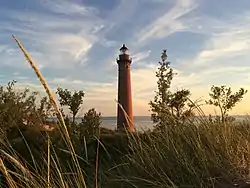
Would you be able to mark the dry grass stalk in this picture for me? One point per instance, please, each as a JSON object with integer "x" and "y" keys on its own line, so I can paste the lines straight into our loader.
{"x": 56, "y": 107}
{"x": 16, "y": 163}
{"x": 97, "y": 158}
{"x": 48, "y": 174}
{"x": 128, "y": 120}
{"x": 4, "y": 171}
{"x": 43, "y": 81}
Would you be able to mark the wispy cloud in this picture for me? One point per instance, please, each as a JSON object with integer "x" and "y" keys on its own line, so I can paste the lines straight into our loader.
{"x": 76, "y": 44}
{"x": 169, "y": 23}
{"x": 55, "y": 41}
{"x": 140, "y": 56}
{"x": 228, "y": 39}
{"x": 68, "y": 7}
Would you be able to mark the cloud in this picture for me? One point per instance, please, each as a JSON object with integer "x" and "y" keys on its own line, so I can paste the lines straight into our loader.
{"x": 3, "y": 48}
{"x": 108, "y": 43}
{"x": 102, "y": 96}
{"x": 223, "y": 57}
{"x": 12, "y": 57}
{"x": 68, "y": 7}
{"x": 76, "y": 46}
{"x": 53, "y": 41}
{"x": 222, "y": 60}
{"x": 140, "y": 56}
{"x": 117, "y": 16}
{"x": 227, "y": 39}
{"x": 169, "y": 23}
{"x": 59, "y": 42}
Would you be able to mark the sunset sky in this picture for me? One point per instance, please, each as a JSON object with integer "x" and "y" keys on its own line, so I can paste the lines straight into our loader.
{"x": 76, "y": 42}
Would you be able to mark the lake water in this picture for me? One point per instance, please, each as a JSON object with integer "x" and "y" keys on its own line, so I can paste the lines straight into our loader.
{"x": 142, "y": 122}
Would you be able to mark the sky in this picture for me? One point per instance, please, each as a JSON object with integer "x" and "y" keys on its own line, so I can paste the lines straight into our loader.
{"x": 75, "y": 44}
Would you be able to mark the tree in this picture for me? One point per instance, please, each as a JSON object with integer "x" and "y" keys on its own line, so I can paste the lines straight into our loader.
{"x": 225, "y": 99}
{"x": 179, "y": 103}
{"x": 45, "y": 108}
{"x": 73, "y": 101}
{"x": 18, "y": 109}
{"x": 90, "y": 123}
{"x": 166, "y": 104}
{"x": 159, "y": 106}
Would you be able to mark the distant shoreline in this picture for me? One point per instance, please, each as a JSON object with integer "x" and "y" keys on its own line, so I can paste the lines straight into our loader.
{"x": 112, "y": 117}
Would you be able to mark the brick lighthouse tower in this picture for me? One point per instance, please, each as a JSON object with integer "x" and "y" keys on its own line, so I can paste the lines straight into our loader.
{"x": 124, "y": 108}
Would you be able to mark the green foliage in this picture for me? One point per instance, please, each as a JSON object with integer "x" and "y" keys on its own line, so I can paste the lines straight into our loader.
{"x": 159, "y": 107}
{"x": 19, "y": 109}
{"x": 225, "y": 99}
{"x": 166, "y": 105}
{"x": 90, "y": 123}
{"x": 179, "y": 101}
{"x": 73, "y": 101}
{"x": 45, "y": 109}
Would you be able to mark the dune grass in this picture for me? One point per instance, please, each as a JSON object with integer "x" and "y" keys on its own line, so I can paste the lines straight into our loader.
{"x": 191, "y": 156}
{"x": 194, "y": 154}
{"x": 208, "y": 155}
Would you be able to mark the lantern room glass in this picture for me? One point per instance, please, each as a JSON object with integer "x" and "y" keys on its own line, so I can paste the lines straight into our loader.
{"x": 124, "y": 50}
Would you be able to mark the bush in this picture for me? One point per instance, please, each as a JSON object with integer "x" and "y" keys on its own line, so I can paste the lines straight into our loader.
{"x": 19, "y": 110}
{"x": 90, "y": 124}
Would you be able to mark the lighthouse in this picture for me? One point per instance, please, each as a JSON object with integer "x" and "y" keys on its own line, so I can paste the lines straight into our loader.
{"x": 124, "y": 107}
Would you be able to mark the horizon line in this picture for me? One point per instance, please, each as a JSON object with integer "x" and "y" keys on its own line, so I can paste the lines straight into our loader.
{"x": 150, "y": 116}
